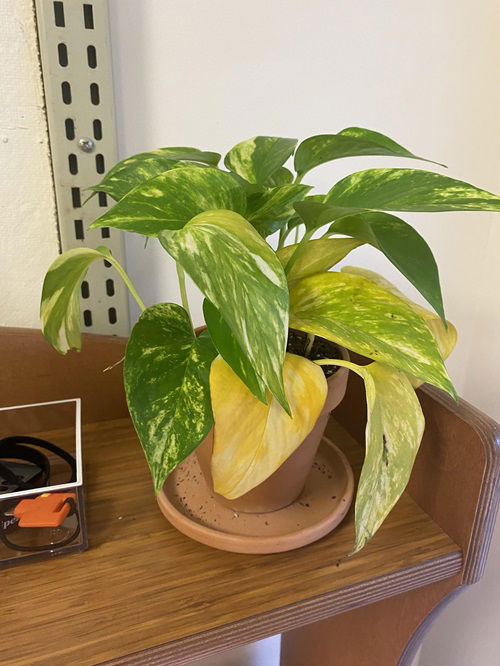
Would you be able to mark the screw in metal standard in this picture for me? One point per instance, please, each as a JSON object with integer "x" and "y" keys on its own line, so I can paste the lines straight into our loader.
{"x": 86, "y": 144}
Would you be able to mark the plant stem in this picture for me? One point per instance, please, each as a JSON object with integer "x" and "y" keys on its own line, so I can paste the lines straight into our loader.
{"x": 310, "y": 341}
{"x": 297, "y": 228}
{"x": 298, "y": 251}
{"x": 282, "y": 237}
{"x": 358, "y": 369}
{"x": 182, "y": 288}
{"x": 127, "y": 281}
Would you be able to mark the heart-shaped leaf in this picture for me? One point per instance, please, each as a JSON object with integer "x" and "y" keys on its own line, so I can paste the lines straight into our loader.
{"x": 350, "y": 142}
{"x": 171, "y": 199}
{"x": 258, "y": 158}
{"x": 445, "y": 336}
{"x": 167, "y": 386}
{"x": 269, "y": 210}
{"x": 402, "y": 245}
{"x": 229, "y": 348}
{"x": 360, "y": 315}
{"x": 251, "y": 439}
{"x": 394, "y": 431}
{"x": 318, "y": 255}
{"x": 242, "y": 276}
{"x": 409, "y": 189}
{"x": 59, "y": 307}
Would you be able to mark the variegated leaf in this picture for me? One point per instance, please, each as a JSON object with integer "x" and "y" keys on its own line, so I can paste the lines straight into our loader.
{"x": 297, "y": 219}
{"x": 120, "y": 181}
{"x": 409, "y": 189}
{"x": 258, "y": 158}
{"x": 318, "y": 255}
{"x": 402, "y": 245}
{"x": 136, "y": 169}
{"x": 248, "y": 188}
{"x": 270, "y": 210}
{"x": 350, "y": 142}
{"x": 229, "y": 348}
{"x": 241, "y": 275}
{"x": 172, "y": 199}
{"x": 281, "y": 176}
{"x": 360, "y": 315}
{"x": 251, "y": 439}
{"x": 314, "y": 213}
{"x": 60, "y": 307}
{"x": 446, "y": 337}
{"x": 394, "y": 431}
{"x": 167, "y": 386}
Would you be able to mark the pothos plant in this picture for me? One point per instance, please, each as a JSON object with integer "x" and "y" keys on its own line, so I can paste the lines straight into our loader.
{"x": 215, "y": 222}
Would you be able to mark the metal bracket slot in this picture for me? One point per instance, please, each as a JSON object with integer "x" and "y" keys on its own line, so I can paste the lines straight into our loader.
{"x": 77, "y": 77}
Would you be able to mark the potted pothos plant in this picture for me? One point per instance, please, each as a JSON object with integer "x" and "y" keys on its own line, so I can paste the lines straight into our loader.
{"x": 260, "y": 247}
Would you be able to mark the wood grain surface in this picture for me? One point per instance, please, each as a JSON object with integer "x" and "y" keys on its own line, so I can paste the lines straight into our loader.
{"x": 144, "y": 586}
{"x": 145, "y": 594}
{"x": 456, "y": 481}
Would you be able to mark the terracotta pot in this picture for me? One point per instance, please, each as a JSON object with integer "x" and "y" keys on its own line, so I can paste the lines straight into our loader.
{"x": 285, "y": 485}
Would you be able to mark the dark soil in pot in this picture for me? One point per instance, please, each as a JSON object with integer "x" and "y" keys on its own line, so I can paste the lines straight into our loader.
{"x": 321, "y": 348}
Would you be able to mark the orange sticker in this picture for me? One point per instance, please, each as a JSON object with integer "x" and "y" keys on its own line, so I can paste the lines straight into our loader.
{"x": 46, "y": 510}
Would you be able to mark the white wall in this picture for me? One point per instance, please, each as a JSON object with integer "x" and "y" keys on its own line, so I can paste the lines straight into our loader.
{"x": 28, "y": 229}
{"x": 209, "y": 74}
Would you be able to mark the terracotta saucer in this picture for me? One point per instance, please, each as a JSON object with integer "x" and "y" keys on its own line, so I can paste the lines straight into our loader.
{"x": 189, "y": 505}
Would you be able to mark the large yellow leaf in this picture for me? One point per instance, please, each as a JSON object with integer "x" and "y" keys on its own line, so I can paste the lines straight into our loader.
{"x": 446, "y": 338}
{"x": 251, "y": 439}
{"x": 366, "y": 318}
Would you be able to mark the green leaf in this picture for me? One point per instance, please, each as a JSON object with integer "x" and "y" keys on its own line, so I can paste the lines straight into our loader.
{"x": 59, "y": 307}
{"x": 139, "y": 168}
{"x": 318, "y": 255}
{"x": 402, "y": 245}
{"x": 297, "y": 219}
{"x": 172, "y": 199}
{"x": 269, "y": 210}
{"x": 258, "y": 158}
{"x": 281, "y": 176}
{"x": 350, "y": 142}
{"x": 248, "y": 188}
{"x": 167, "y": 386}
{"x": 242, "y": 276}
{"x": 314, "y": 213}
{"x": 360, "y": 315}
{"x": 409, "y": 189}
{"x": 231, "y": 351}
{"x": 394, "y": 431}
{"x": 445, "y": 335}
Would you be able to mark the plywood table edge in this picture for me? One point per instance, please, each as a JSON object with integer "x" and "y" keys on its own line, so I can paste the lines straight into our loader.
{"x": 410, "y": 651}
{"x": 489, "y": 496}
{"x": 292, "y": 616}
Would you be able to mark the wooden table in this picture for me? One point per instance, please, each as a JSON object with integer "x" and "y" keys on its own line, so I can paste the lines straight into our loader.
{"x": 145, "y": 594}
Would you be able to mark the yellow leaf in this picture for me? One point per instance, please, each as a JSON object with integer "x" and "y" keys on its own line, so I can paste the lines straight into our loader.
{"x": 318, "y": 255}
{"x": 251, "y": 439}
{"x": 446, "y": 338}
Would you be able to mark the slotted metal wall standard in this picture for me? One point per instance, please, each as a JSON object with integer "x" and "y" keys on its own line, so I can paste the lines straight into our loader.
{"x": 76, "y": 66}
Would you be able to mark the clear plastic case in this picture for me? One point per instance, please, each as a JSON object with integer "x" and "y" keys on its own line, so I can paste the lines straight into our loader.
{"x": 48, "y": 520}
